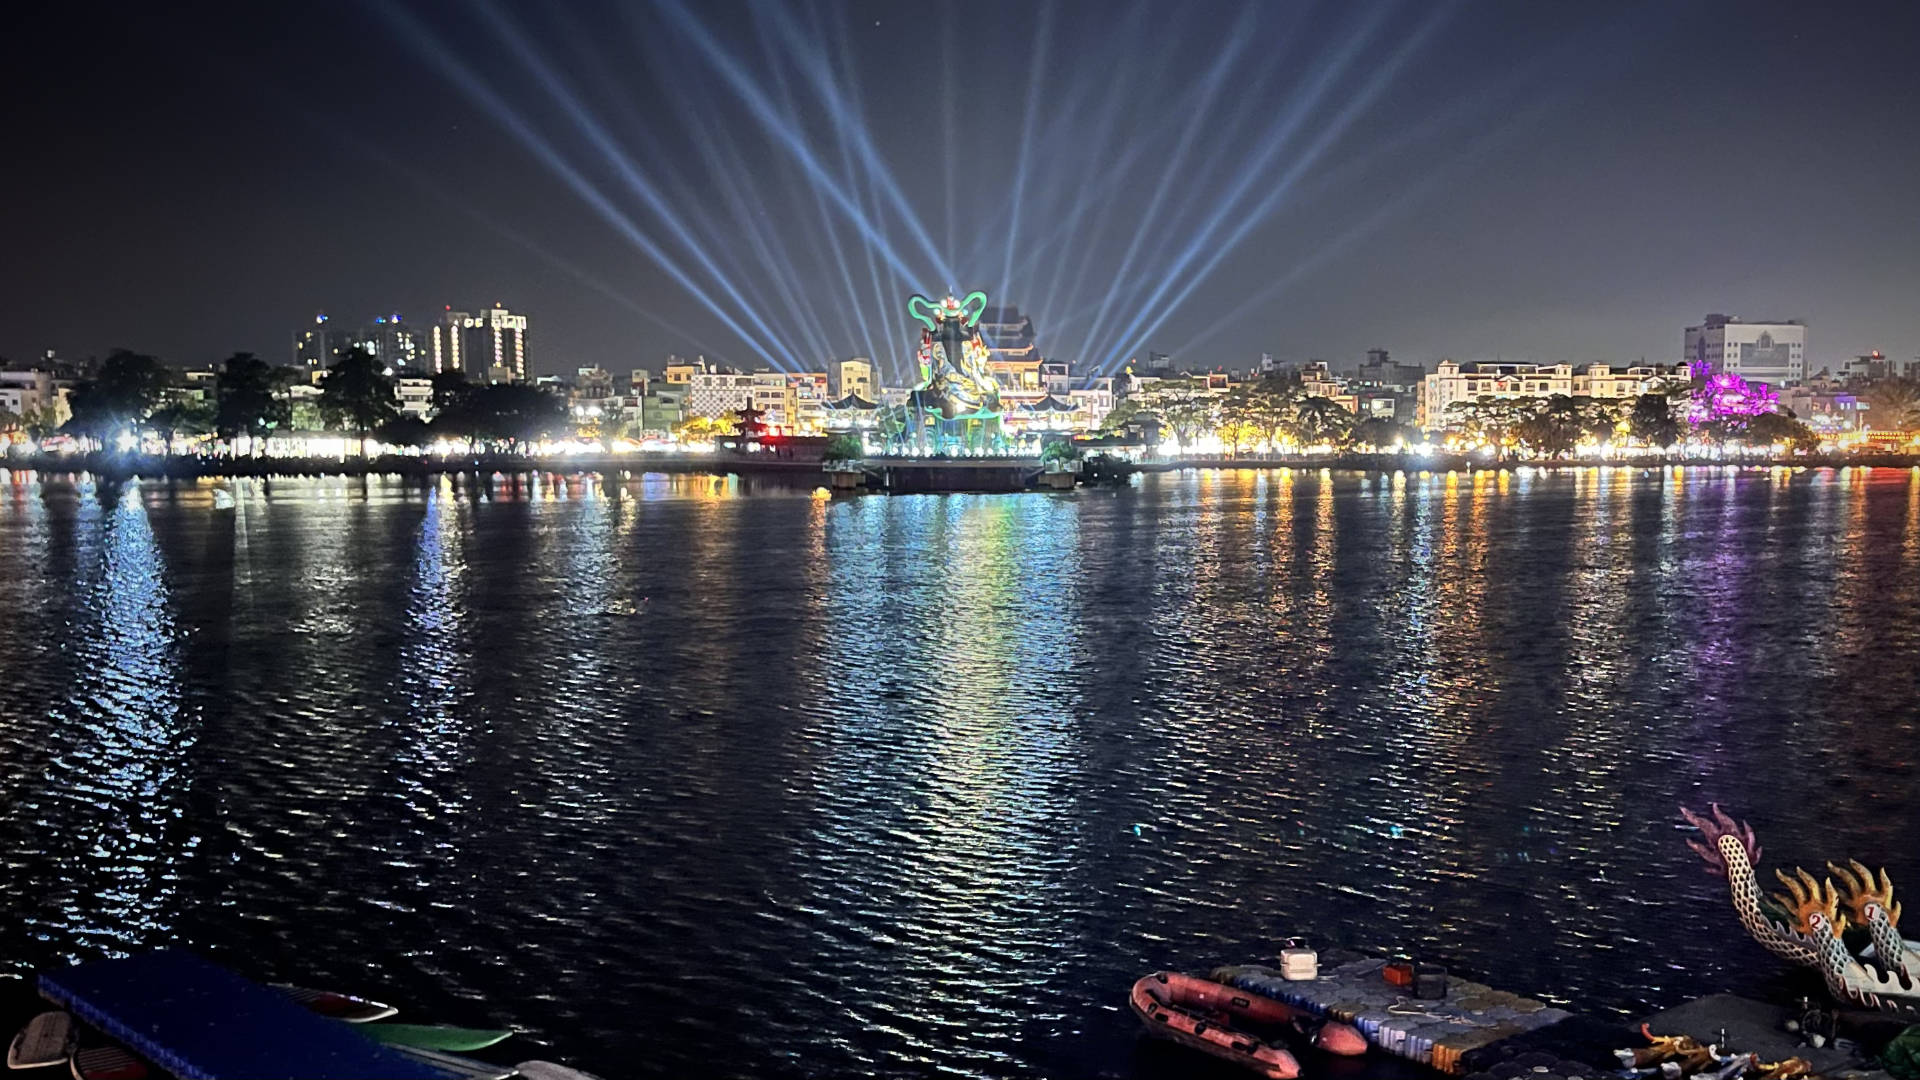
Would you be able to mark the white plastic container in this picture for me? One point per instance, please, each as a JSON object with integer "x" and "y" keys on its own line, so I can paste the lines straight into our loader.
{"x": 1299, "y": 965}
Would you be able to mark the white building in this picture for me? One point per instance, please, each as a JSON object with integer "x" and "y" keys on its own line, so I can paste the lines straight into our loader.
{"x": 1768, "y": 352}
{"x": 415, "y": 394}
{"x": 1453, "y": 382}
{"x": 26, "y": 392}
{"x": 856, "y": 378}
{"x": 1093, "y": 401}
{"x": 714, "y": 394}
{"x": 492, "y": 344}
{"x": 810, "y": 396}
{"x": 774, "y": 396}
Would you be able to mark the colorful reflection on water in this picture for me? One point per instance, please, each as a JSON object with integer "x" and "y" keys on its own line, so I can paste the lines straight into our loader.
{"x": 692, "y": 775}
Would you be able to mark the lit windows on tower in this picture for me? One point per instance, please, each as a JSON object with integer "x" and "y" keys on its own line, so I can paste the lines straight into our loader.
{"x": 496, "y": 335}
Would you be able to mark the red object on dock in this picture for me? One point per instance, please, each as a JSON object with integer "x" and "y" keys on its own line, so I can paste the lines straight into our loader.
{"x": 1201, "y": 1014}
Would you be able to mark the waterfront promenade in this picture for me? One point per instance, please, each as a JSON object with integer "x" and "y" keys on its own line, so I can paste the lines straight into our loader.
{"x": 148, "y": 466}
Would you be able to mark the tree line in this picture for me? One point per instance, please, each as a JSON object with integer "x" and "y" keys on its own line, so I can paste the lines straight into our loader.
{"x": 1274, "y": 410}
{"x": 135, "y": 393}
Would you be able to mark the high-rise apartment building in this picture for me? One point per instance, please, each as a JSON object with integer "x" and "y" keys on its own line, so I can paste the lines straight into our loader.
{"x": 320, "y": 344}
{"x": 489, "y": 345}
{"x": 386, "y": 338}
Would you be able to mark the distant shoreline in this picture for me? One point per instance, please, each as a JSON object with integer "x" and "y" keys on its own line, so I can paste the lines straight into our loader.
{"x": 125, "y": 467}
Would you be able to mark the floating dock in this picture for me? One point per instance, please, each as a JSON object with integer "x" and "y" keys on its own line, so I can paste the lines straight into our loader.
{"x": 200, "y": 1021}
{"x": 1438, "y": 1033}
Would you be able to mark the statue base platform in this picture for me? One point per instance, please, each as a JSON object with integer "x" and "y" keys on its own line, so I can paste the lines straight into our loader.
{"x": 922, "y": 476}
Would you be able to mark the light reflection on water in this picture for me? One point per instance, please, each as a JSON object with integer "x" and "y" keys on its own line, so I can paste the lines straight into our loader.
{"x": 687, "y": 774}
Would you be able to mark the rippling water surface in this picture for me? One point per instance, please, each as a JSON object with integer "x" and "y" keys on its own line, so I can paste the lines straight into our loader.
{"x": 705, "y": 779}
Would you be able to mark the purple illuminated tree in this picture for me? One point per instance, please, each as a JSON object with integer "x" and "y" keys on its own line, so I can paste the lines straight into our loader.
{"x": 1727, "y": 400}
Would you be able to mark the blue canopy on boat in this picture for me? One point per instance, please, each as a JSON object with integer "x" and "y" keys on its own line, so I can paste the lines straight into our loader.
{"x": 197, "y": 1019}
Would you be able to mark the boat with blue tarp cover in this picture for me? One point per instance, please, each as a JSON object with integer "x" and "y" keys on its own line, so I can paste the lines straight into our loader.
{"x": 200, "y": 1021}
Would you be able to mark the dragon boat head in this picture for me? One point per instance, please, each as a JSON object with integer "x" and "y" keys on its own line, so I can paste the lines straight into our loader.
{"x": 1715, "y": 829}
{"x": 1814, "y": 905}
{"x": 1863, "y": 895}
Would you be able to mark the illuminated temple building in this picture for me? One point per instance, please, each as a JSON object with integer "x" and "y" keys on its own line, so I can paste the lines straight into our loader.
{"x": 1012, "y": 354}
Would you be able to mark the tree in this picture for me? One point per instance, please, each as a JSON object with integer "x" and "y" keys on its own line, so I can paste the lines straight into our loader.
{"x": 1380, "y": 433}
{"x": 1187, "y": 416}
{"x": 1060, "y": 452}
{"x": 1547, "y": 434}
{"x": 511, "y": 413}
{"x": 1894, "y": 404}
{"x": 404, "y": 431}
{"x": 181, "y": 416}
{"x": 1652, "y": 421}
{"x": 704, "y": 428}
{"x": 609, "y": 427}
{"x": 38, "y": 423}
{"x": 120, "y": 396}
{"x": 1122, "y": 413}
{"x": 1780, "y": 428}
{"x": 1321, "y": 420}
{"x": 357, "y": 395}
{"x": 1239, "y": 418}
{"x": 1491, "y": 421}
{"x": 1275, "y": 399}
{"x": 450, "y": 387}
{"x": 843, "y": 447}
{"x": 251, "y": 399}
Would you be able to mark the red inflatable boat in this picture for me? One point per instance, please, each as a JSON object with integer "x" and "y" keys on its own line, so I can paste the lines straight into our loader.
{"x": 1210, "y": 1017}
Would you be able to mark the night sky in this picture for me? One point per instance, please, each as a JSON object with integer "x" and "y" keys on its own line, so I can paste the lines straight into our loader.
{"x": 1555, "y": 182}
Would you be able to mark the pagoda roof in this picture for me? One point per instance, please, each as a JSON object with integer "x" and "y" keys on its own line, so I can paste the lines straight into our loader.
{"x": 851, "y": 401}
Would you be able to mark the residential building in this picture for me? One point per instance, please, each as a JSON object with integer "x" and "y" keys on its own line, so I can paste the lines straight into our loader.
{"x": 1092, "y": 402}
{"x": 1453, "y": 382}
{"x": 662, "y": 409}
{"x": 1826, "y": 407}
{"x": 393, "y": 343}
{"x": 319, "y": 345}
{"x": 679, "y": 372}
{"x": 1770, "y": 352}
{"x": 1318, "y": 380}
{"x": 714, "y": 394}
{"x": 592, "y": 383}
{"x": 491, "y": 344}
{"x": 856, "y": 379}
{"x": 1056, "y": 377}
{"x": 774, "y": 397}
{"x": 30, "y": 392}
{"x": 1875, "y": 366}
{"x": 1381, "y": 370}
{"x": 812, "y": 390}
{"x": 386, "y": 338}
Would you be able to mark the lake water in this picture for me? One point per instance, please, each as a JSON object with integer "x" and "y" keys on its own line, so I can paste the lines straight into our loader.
{"x": 716, "y": 779}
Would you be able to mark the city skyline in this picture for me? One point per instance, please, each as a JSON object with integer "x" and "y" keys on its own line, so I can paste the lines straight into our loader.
{"x": 1644, "y": 190}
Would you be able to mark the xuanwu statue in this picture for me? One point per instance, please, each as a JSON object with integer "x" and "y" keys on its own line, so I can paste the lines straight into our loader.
{"x": 955, "y": 408}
